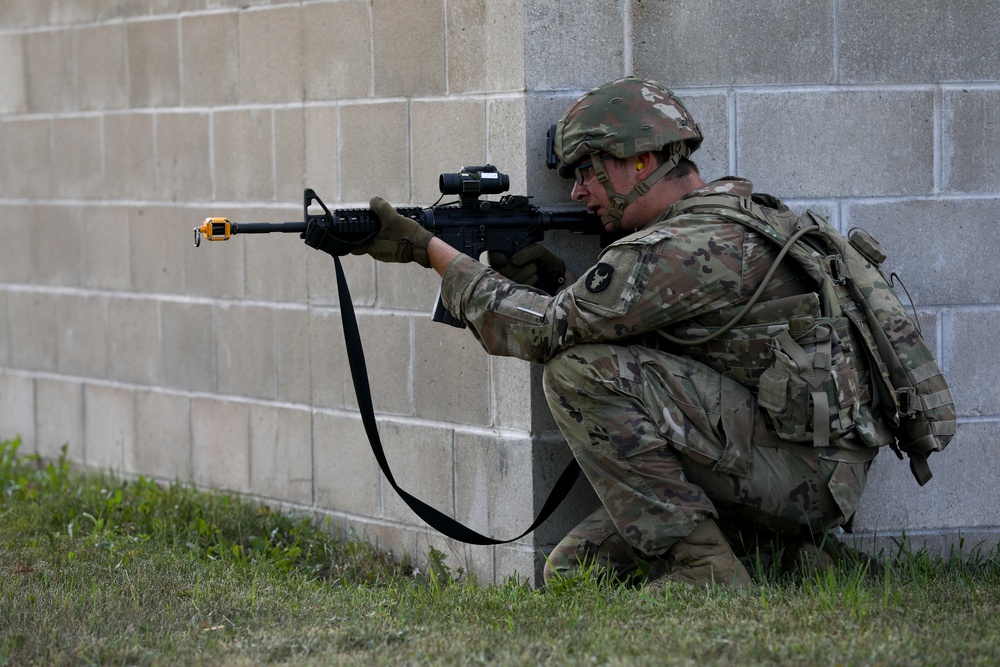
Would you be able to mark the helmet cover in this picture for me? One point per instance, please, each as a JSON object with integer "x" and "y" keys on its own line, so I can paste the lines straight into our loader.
{"x": 624, "y": 118}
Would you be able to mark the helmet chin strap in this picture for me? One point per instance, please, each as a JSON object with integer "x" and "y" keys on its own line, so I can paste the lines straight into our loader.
{"x": 619, "y": 201}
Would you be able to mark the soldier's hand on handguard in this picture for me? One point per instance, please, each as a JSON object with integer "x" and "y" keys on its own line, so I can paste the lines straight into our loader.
{"x": 534, "y": 266}
{"x": 399, "y": 240}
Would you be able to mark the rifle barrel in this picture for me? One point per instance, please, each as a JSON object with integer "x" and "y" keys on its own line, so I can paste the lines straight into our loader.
{"x": 268, "y": 227}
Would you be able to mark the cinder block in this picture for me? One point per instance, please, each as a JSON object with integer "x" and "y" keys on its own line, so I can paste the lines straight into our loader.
{"x": 420, "y": 459}
{"x": 346, "y": 475}
{"x": 158, "y": 252}
{"x": 154, "y": 63}
{"x": 212, "y": 4}
{"x": 291, "y": 327}
{"x": 163, "y": 436}
{"x": 72, "y": 13}
{"x": 22, "y": 13}
{"x": 447, "y": 136}
{"x": 686, "y": 44}
{"x": 485, "y": 46}
{"x": 375, "y": 148}
{"x": 543, "y": 110}
{"x": 321, "y": 146}
{"x": 18, "y": 228}
{"x": 175, "y": 6}
{"x": 187, "y": 340}
{"x": 281, "y": 453}
{"x": 506, "y": 139}
{"x": 211, "y": 63}
{"x": 515, "y": 562}
{"x": 59, "y": 419}
{"x": 888, "y": 42}
{"x": 711, "y": 112}
{"x": 793, "y": 145}
{"x": 386, "y": 339}
{"x": 134, "y": 341}
{"x": 936, "y": 246}
{"x": 928, "y": 322}
{"x": 275, "y": 263}
{"x": 4, "y": 335}
{"x": 220, "y": 450}
{"x": 289, "y": 155}
{"x": 109, "y": 428}
{"x": 550, "y": 458}
{"x": 409, "y": 48}
{"x": 961, "y": 493}
{"x": 243, "y": 155}
{"x": 32, "y": 329}
{"x": 451, "y": 378}
{"x": 104, "y": 247}
{"x": 358, "y": 271}
{"x": 216, "y": 268}
{"x": 516, "y": 390}
{"x": 407, "y": 287}
{"x": 13, "y": 86}
{"x": 972, "y": 371}
{"x": 245, "y": 351}
{"x": 971, "y": 151}
{"x": 333, "y": 67}
{"x": 17, "y": 410}
{"x": 493, "y": 481}
{"x": 76, "y": 173}
{"x": 271, "y": 55}
{"x": 183, "y": 156}
{"x": 327, "y": 359}
{"x": 597, "y": 47}
{"x": 399, "y": 542}
{"x": 130, "y": 165}
{"x": 28, "y": 158}
{"x": 82, "y": 335}
{"x": 100, "y": 67}
{"x": 456, "y": 556}
{"x": 48, "y": 61}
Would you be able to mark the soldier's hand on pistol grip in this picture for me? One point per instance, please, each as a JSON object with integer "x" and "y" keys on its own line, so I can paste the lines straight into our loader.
{"x": 534, "y": 266}
{"x": 400, "y": 239}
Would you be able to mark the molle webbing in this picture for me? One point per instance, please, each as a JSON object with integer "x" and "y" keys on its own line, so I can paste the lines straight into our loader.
{"x": 907, "y": 386}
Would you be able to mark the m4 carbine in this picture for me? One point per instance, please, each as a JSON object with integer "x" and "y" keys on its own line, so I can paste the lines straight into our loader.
{"x": 470, "y": 225}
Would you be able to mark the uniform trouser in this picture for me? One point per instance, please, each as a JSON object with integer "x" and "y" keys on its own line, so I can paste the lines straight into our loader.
{"x": 667, "y": 442}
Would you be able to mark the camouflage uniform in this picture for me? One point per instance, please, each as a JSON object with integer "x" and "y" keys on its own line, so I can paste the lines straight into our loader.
{"x": 664, "y": 434}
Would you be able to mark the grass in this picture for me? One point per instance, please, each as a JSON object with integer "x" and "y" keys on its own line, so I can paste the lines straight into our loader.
{"x": 96, "y": 570}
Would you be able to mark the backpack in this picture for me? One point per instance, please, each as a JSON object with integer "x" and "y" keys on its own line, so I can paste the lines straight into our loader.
{"x": 807, "y": 386}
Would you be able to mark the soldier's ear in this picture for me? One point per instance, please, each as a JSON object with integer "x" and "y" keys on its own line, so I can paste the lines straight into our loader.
{"x": 645, "y": 164}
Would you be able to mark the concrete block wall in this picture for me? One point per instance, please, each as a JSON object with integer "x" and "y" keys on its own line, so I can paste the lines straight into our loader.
{"x": 123, "y": 124}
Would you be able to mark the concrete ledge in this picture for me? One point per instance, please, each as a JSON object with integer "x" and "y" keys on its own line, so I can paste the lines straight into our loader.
{"x": 971, "y": 543}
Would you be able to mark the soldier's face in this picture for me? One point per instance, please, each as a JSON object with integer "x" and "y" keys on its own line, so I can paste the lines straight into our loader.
{"x": 588, "y": 190}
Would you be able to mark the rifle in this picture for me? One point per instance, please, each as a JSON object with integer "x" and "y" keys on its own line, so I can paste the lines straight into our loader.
{"x": 470, "y": 225}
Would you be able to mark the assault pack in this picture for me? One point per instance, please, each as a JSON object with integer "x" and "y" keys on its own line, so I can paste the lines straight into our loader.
{"x": 805, "y": 369}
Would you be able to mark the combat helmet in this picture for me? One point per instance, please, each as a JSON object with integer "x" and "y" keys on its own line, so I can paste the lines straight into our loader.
{"x": 624, "y": 118}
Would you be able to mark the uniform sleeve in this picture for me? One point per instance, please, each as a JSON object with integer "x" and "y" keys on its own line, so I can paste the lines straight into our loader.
{"x": 647, "y": 281}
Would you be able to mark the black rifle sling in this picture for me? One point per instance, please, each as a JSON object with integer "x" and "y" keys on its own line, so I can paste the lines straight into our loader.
{"x": 434, "y": 518}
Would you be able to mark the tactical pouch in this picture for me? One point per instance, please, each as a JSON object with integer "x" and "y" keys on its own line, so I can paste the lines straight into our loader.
{"x": 810, "y": 391}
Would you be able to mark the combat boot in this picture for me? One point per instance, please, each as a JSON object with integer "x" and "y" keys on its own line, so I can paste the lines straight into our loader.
{"x": 705, "y": 557}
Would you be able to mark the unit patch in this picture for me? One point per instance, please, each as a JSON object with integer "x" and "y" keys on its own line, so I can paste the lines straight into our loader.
{"x": 599, "y": 278}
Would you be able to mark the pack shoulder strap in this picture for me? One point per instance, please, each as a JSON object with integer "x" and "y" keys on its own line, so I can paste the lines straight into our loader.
{"x": 362, "y": 389}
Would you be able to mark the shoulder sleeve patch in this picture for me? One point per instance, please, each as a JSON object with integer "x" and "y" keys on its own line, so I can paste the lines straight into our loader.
{"x": 599, "y": 278}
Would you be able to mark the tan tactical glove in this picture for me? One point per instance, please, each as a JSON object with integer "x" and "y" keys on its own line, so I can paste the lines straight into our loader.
{"x": 399, "y": 240}
{"x": 534, "y": 266}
